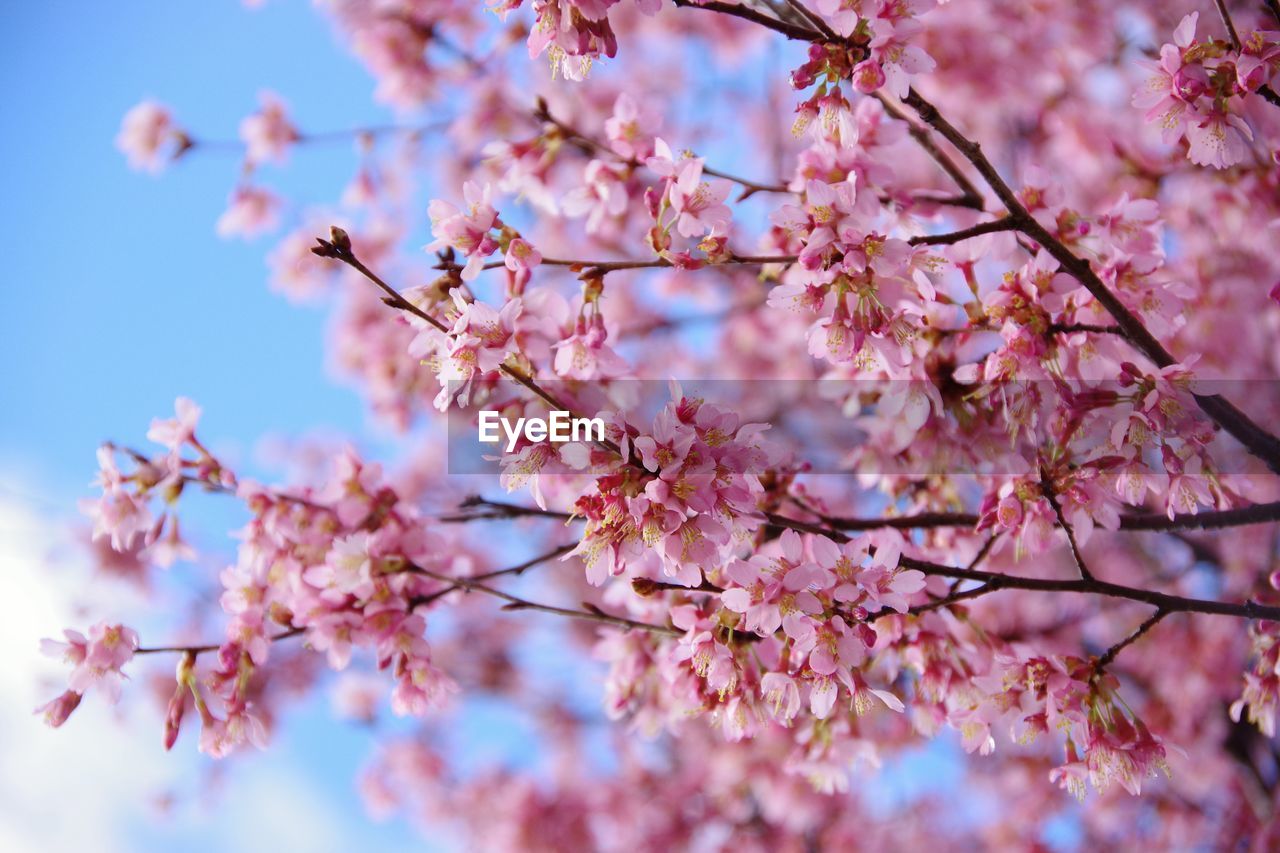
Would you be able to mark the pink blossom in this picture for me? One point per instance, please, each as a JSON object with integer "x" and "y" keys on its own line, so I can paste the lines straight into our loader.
{"x": 586, "y": 354}
{"x": 268, "y": 133}
{"x": 468, "y": 231}
{"x": 1218, "y": 139}
{"x": 251, "y": 211}
{"x": 175, "y": 433}
{"x": 148, "y": 137}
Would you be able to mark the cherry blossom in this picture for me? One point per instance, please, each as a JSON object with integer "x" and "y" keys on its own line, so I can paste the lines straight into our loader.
{"x": 933, "y": 344}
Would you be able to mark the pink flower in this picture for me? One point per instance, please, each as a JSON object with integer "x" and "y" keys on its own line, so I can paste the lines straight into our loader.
{"x": 1259, "y": 56}
{"x": 219, "y": 738}
{"x": 148, "y": 137}
{"x": 170, "y": 548}
{"x": 1218, "y": 139}
{"x": 250, "y": 211}
{"x": 347, "y": 569}
{"x": 58, "y": 710}
{"x": 334, "y": 634}
{"x": 585, "y": 354}
{"x": 572, "y": 33}
{"x": 174, "y": 433}
{"x": 843, "y": 15}
{"x": 420, "y": 688}
{"x": 631, "y": 128}
{"x": 603, "y": 197}
{"x": 521, "y": 258}
{"x": 699, "y": 205}
{"x": 268, "y": 133}
{"x": 468, "y": 231}
{"x": 782, "y": 695}
{"x": 96, "y": 661}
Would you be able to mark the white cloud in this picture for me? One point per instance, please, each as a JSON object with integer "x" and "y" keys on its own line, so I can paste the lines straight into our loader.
{"x": 93, "y": 784}
{"x": 78, "y": 787}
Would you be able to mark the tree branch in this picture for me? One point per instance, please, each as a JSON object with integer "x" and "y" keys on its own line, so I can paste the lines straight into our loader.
{"x": 1264, "y": 90}
{"x": 594, "y": 614}
{"x": 1110, "y": 654}
{"x": 1259, "y": 442}
{"x": 970, "y": 196}
{"x": 1047, "y": 488}
{"x": 1086, "y": 586}
{"x": 791, "y": 31}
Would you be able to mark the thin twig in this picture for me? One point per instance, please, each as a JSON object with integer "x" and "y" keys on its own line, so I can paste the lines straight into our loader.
{"x": 970, "y": 197}
{"x": 791, "y": 31}
{"x": 209, "y": 647}
{"x": 514, "y": 570}
{"x": 339, "y": 248}
{"x": 1047, "y": 488}
{"x": 594, "y": 614}
{"x": 1085, "y": 586}
{"x": 965, "y": 233}
{"x": 1110, "y": 654}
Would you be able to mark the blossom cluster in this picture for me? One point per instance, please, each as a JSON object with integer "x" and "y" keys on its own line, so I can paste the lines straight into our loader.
{"x": 1014, "y": 304}
{"x": 1198, "y": 88}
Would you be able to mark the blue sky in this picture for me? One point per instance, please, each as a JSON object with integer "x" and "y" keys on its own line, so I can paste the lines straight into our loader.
{"x": 119, "y": 294}
{"x": 118, "y": 297}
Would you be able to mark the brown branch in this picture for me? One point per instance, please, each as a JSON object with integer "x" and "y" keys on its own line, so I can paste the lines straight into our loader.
{"x": 1110, "y": 654}
{"x": 978, "y": 230}
{"x": 816, "y": 20}
{"x": 1264, "y": 90}
{"x": 1214, "y": 519}
{"x": 591, "y": 269}
{"x": 1258, "y": 441}
{"x": 498, "y": 510}
{"x": 592, "y": 614}
{"x": 208, "y": 647}
{"x": 1047, "y": 488}
{"x": 1086, "y": 586}
{"x": 791, "y": 31}
{"x": 518, "y": 569}
{"x": 969, "y": 197}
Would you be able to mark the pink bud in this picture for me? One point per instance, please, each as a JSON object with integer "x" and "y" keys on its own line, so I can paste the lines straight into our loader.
{"x": 57, "y": 711}
{"x": 173, "y": 716}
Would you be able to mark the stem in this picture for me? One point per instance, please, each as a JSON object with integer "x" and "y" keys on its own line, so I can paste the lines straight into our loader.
{"x": 1110, "y": 654}
{"x": 592, "y": 146}
{"x": 970, "y": 197}
{"x": 209, "y": 647}
{"x": 1052, "y": 498}
{"x": 791, "y": 31}
{"x": 514, "y": 570}
{"x": 515, "y": 603}
{"x": 978, "y": 230}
